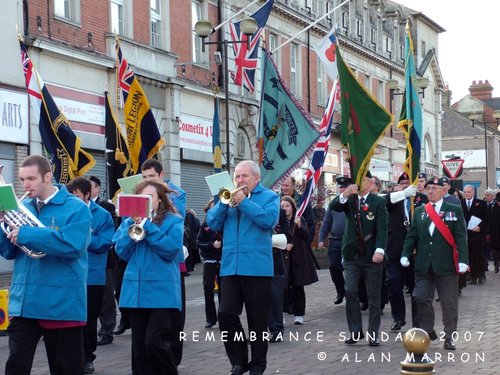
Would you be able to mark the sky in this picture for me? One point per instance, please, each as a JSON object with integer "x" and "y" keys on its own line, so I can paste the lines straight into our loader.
{"x": 469, "y": 49}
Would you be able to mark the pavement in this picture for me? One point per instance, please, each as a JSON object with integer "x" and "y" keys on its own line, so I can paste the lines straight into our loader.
{"x": 317, "y": 347}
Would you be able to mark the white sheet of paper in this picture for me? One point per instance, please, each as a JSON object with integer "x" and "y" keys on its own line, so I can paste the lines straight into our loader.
{"x": 219, "y": 181}
{"x": 473, "y": 222}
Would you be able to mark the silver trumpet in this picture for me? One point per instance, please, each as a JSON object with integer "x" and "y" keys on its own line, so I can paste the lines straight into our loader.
{"x": 136, "y": 231}
{"x": 226, "y": 196}
{"x": 21, "y": 216}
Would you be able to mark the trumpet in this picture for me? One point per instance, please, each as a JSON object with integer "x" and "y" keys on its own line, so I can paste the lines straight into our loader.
{"x": 226, "y": 196}
{"x": 136, "y": 231}
{"x": 21, "y": 216}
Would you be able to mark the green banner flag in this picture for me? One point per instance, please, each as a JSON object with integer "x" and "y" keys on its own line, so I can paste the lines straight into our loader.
{"x": 364, "y": 121}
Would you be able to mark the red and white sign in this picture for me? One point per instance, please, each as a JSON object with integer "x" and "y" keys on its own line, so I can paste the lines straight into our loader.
{"x": 453, "y": 167}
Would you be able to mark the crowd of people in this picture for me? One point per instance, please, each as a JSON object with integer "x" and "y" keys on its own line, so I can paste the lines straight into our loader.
{"x": 381, "y": 244}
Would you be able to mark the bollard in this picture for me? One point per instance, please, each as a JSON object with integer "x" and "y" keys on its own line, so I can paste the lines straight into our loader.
{"x": 4, "y": 312}
{"x": 416, "y": 342}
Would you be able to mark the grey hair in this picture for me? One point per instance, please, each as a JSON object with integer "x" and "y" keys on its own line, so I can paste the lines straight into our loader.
{"x": 489, "y": 191}
{"x": 469, "y": 185}
{"x": 253, "y": 165}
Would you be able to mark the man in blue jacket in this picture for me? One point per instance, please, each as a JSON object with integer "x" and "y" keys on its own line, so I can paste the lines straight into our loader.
{"x": 246, "y": 266}
{"x": 48, "y": 295}
{"x": 103, "y": 230}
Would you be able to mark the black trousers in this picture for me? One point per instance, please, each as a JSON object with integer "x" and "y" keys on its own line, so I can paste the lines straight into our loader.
{"x": 336, "y": 269}
{"x": 255, "y": 293}
{"x": 210, "y": 272}
{"x": 152, "y": 334}
{"x": 299, "y": 300}
{"x": 94, "y": 299}
{"x": 107, "y": 316}
{"x": 64, "y": 348}
{"x": 178, "y": 322}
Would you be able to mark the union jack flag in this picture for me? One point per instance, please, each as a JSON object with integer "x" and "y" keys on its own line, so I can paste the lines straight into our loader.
{"x": 125, "y": 74}
{"x": 246, "y": 54}
{"x": 321, "y": 149}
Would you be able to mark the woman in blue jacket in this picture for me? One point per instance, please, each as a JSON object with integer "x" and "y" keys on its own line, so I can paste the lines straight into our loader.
{"x": 151, "y": 291}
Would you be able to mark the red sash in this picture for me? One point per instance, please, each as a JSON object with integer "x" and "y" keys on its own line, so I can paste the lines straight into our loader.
{"x": 444, "y": 230}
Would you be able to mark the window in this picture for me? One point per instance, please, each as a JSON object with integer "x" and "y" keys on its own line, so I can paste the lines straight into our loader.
{"x": 156, "y": 23}
{"x": 294, "y": 57}
{"x": 345, "y": 22}
{"x": 368, "y": 83}
{"x": 67, "y": 9}
{"x": 196, "y": 15}
{"x": 359, "y": 29}
{"x": 321, "y": 82}
{"x": 373, "y": 37}
{"x": 117, "y": 17}
{"x": 428, "y": 154}
{"x": 381, "y": 93}
{"x": 273, "y": 43}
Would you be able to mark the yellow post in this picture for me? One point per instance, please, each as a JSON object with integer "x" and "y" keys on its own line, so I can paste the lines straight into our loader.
{"x": 4, "y": 312}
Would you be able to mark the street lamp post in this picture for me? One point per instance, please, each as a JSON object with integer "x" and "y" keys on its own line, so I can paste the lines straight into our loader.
{"x": 203, "y": 28}
{"x": 473, "y": 117}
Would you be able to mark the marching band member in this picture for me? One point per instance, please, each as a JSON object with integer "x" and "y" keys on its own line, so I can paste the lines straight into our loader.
{"x": 101, "y": 241}
{"x": 48, "y": 295}
{"x": 151, "y": 291}
{"x": 246, "y": 265}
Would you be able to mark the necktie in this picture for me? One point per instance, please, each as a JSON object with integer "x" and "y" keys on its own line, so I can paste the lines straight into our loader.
{"x": 468, "y": 204}
{"x": 39, "y": 205}
{"x": 361, "y": 202}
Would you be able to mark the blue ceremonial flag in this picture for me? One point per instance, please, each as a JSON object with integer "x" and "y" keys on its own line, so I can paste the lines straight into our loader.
{"x": 246, "y": 54}
{"x": 410, "y": 119}
{"x": 286, "y": 131}
{"x": 216, "y": 149}
{"x": 68, "y": 159}
{"x": 321, "y": 149}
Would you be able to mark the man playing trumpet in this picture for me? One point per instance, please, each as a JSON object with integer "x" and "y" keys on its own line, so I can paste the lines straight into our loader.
{"x": 48, "y": 295}
{"x": 247, "y": 265}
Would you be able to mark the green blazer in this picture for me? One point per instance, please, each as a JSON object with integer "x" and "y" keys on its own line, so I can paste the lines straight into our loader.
{"x": 434, "y": 251}
{"x": 373, "y": 217}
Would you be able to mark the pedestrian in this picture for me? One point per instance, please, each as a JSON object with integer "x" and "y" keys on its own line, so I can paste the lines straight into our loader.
{"x": 210, "y": 245}
{"x": 363, "y": 248}
{"x": 48, "y": 295}
{"x": 247, "y": 226}
{"x": 151, "y": 290}
{"x": 100, "y": 244}
{"x": 438, "y": 234}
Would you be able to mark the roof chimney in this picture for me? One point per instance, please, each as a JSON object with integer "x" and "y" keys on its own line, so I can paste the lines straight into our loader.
{"x": 481, "y": 90}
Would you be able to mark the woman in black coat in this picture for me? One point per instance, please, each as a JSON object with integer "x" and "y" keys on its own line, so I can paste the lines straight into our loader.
{"x": 302, "y": 268}
{"x": 495, "y": 232}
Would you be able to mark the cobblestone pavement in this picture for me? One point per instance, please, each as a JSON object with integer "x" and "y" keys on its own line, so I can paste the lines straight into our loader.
{"x": 317, "y": 347}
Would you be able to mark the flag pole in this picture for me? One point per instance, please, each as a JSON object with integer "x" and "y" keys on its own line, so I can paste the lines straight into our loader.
{"x": 233, "y": 16}
{"x": 309, "y": 26}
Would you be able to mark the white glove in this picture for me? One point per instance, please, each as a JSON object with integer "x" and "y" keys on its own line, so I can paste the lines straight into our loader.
{"x": 404, "y": 262}
{"x": 397, "y": 196}
{"x": 410, "y": 191}
{"x": 462, "y": 268}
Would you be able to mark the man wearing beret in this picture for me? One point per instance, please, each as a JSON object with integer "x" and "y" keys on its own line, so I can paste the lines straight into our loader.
{"x": 450, "y": 198}
{"x": 421, "y": 180}
{"x": 363, "y": 247}
{"x": 400, "y": 217}
{"x": 438, "y": 234}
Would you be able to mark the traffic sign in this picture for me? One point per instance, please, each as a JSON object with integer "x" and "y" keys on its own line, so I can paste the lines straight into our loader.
{"x": 453, "y": 167}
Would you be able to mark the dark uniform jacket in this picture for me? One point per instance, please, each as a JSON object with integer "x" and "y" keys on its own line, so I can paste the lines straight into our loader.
{"x": 434, "y": 252}
{"x": 397, "y": 227}
{"x": 373, "y": 218}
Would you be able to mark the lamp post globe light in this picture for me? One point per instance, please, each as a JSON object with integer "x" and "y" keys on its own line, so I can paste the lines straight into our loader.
{"x": 204, "y": 28}
{"x": 474, "y": 117}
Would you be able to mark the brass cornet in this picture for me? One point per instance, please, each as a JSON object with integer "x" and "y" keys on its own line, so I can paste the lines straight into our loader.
{"x": 136, "y": 231}
{"x": 226, "y": 196}
{"x": 21, "y": 216}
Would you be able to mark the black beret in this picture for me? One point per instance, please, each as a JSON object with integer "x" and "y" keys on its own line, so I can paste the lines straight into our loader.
{"x": 445, "y": 180}
{"x": 343, "y": 181}
{"x": 434, "y": 181}
{"x": 368, "y": 174}
{"x": 422, "y": 175}
{"x": 404, "y": 177}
